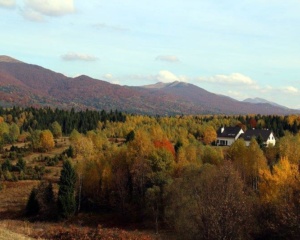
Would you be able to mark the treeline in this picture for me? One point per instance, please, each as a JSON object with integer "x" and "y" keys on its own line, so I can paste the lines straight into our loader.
{"x": 17, "y": 124}
{"x": 41, "y": 118}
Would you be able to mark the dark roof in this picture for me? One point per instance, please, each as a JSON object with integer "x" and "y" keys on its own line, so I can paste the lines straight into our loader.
{"x": 254, "y": 133}
{"x": 229, "y": 132}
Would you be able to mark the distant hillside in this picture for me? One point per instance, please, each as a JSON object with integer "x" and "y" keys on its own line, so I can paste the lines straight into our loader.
{"x": 261, "y": 100}
{"x": 213, "y": 102}
{"x": 31, "y": 85}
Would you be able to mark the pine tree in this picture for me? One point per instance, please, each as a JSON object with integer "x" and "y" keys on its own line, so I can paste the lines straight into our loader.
{"x": 32, "y": 207}
{"x": 66, "y": 193}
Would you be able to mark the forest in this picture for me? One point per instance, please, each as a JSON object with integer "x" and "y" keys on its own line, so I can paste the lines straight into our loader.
{"x": 161, "y": 173}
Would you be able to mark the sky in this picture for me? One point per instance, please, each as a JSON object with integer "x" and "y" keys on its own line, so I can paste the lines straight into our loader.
{"x": 241, "y": 49}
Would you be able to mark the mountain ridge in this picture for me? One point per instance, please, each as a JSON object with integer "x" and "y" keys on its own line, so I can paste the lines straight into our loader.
{"x": 32, "y": 85}
{"x": 4, "y": 58}
{"x": 258, "y": 100}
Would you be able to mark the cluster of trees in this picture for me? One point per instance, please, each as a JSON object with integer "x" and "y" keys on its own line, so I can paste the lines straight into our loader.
{"x": 278, "y": 124}
{"x": 41, "y": 203}
{"x": 163, "y": 175}
{"x": 41, "y": 118}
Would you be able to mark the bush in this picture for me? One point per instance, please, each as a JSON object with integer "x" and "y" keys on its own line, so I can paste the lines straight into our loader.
{"x": 7, "y": 166}
{"x": 21, "y": 165}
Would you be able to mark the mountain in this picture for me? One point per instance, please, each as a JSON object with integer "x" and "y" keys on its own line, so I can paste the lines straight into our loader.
{"x": 217, "y": 103}
{"x": 25, "y": 84}
{"x": 261, "y": 100}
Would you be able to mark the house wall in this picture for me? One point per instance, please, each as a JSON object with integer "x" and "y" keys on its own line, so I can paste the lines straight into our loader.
{"x": 227, "y": 141}
{"x": 271, "y": 140}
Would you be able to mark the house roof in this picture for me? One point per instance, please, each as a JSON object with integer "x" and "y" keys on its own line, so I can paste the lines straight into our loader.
{"x": 254, "y": 133}
{"x": 229, "y": 132}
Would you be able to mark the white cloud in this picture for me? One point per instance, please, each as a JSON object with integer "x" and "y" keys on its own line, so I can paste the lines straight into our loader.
{"x": 78, "y": 57}
{"x": 232, "y": 79}
{"x": 110, "y": 78}
{"x": 50, "y": 7}
{"x": 236, "y": 94}
{"x": 167, "y": 58}
{"x": 7, "y": 3}
{"x": 167, "y": 76}
{"x": 290, "y": 89}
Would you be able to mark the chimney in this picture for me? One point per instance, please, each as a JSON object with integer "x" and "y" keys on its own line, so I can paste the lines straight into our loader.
{"x": 222, "y": 129}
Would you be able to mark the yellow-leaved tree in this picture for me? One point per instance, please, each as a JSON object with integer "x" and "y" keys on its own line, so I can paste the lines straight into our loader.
{"x": 278, "y": 185}
{"x": 279, "y": 192}
{"x": 209, "y": 135}
{"x": 47, "y": 140}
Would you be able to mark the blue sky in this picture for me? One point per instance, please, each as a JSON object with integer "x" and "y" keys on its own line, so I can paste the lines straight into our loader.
{"x": 237, "y": 48}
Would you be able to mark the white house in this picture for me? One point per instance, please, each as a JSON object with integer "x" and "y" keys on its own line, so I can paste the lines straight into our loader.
{"x": 228, "y": 135}
{"x": 266, "y": 135}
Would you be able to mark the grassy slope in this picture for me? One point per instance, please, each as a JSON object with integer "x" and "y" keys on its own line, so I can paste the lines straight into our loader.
{"x": 6, "y": 234}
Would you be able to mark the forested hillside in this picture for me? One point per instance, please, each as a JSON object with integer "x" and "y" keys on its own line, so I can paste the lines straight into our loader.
{"x": 163, "y": 174}
{"x": 24, "y": 85}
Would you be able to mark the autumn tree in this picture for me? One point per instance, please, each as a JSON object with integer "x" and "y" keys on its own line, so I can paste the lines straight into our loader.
{"x": 252, "y": 122}
{"x": 4, "y": 131}
{"x": 248, "y": 161}
{"x": 84, "y": 149}
{"x": 47, "y": 140}
{"x": 14, "y": 132}
{"x": 210, "y": 203}
{"x": 279, "y": 194}
{"x": 209, "y": 135}
{"x": 36, "y": 139}
{"x": 56, "y": 129}
{"x": 121, "y": 182}
{"x": 236, "y": 153}
{"x": 154, "y": 202}
{"x": 289, "y": 147}
{"x": 161, "y": 164}
{"x": 212, "y": 155}
{"x": 254, "y": 162}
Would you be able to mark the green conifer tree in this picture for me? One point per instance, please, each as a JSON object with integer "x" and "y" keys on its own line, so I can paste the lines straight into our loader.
{"x": 32, "y": 207}
{"x": 66, "y": 193}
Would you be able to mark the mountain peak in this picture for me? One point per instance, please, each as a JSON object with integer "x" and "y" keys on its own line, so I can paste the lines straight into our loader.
{"x": 160, "y": 85}
{"x": 8, "y": 59}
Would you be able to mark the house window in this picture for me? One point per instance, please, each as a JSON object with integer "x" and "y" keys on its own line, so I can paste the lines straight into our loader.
{"x": 223, "y": 142}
